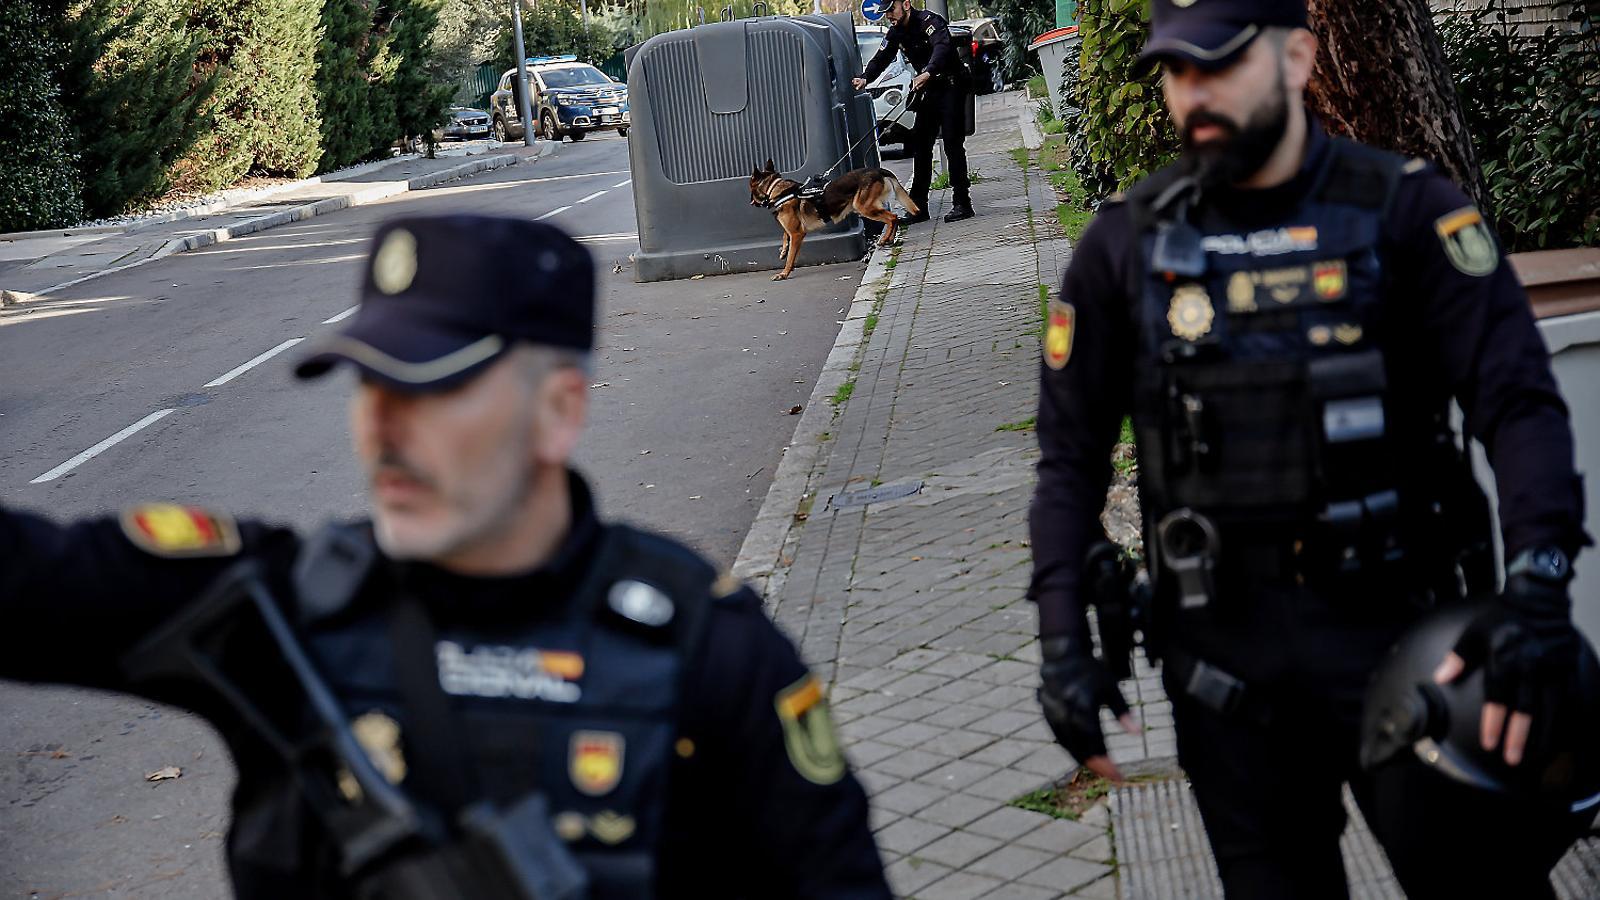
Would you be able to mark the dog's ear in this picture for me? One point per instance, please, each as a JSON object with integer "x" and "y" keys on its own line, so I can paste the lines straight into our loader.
{"x": 770, "y": 166}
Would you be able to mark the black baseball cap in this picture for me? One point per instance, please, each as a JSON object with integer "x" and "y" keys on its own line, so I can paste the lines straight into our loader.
{"x": 445, "y": 296}
{"x": 1210, "y": 34}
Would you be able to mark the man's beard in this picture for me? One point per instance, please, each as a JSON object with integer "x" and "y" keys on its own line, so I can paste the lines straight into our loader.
{"x": 1242, "y": 151}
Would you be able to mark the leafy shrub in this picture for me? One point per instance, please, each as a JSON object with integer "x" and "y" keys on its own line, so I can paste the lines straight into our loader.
{"x": 1532, "y": 103}
{"x": 1118, "y": 130}
{"x": 40, "y": 188}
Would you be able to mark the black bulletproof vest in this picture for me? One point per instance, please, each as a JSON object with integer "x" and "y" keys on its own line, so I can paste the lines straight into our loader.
{"x": 577, "y": 700}
{"x": 1264, "y": 402}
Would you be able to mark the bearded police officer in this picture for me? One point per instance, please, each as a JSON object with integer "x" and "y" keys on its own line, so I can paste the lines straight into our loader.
{"x": 485, "y": 691}
{"x": 942, "y": 83}
{"x": 1286, "y": 317}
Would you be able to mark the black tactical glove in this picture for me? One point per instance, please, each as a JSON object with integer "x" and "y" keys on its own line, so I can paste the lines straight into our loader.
{"x": 1526, "y": 644}
{"x": 1075, "y": 686}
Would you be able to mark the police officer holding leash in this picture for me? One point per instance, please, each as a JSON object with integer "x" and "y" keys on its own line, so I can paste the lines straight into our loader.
{"x": 484, "y": 691}
{"x": 941, "y": 85}
{"x": 1286, "y": 316}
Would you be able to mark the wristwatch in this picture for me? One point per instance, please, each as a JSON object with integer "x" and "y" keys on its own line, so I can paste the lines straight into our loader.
{"x": 1547, "y": 564}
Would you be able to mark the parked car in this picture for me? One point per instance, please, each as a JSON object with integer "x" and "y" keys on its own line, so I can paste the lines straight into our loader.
{"x": 988, "y": 54}
{"x": 463, "y": 124}
{"x": 889, "y": 89}
{"x": 570, "y": 99}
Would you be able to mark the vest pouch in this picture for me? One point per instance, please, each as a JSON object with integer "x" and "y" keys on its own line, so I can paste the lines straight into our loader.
{"x": 1353, "y": 450}
{"x": 1236, "y": 436}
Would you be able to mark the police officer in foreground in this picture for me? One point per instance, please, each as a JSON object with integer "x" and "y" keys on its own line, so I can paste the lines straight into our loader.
{"x": 1286, "y": 317}
{"x": 485, "y": 690}
{"x": 942, "y": 83}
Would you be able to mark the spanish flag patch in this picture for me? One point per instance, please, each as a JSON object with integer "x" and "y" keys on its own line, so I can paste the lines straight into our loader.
{"x": 174, "y": 531}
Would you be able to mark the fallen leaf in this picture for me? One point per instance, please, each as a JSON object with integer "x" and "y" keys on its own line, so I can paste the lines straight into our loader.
{"x": 616, "y": 269}
{"x": 795, "y": 410}
{"x": 801, "y": 517}
{"x": 695, "y": 497}
{"x": 600, "y": 384}
{"x": 164, "y": 773}
{"x": 916, "y": 559}
{"x": 696, "y": 277}
{"x": 644, "y": 452}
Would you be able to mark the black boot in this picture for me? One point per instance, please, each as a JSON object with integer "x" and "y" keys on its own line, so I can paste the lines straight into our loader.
{"x": 961, "y": 209}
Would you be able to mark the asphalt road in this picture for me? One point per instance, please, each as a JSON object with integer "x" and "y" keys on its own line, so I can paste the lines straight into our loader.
{"x": 693, "y": 385}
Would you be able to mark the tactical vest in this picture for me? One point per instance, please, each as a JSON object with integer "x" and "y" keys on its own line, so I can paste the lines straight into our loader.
{"x": 1264, "y": 403}
{"x": 579, "y": 700}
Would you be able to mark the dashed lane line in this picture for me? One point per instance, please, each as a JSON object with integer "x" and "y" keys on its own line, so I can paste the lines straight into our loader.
{"x": 623, "y": 183}
{"x": 221, "y": 380}
{"x": 341, "y": 316}
{"x": 554, "y": 212}
{"x": 592, "y": 196}
{"x": 102, "y": 447}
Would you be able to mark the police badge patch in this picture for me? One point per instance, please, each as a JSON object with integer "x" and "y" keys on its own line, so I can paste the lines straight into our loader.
{"x": 808, "y": 732}
{"x": 1059, "y": 326}
{"x": 1190, "y": 314}
{"x": 1467, "y": 242}
{"x": 594, "y": 761}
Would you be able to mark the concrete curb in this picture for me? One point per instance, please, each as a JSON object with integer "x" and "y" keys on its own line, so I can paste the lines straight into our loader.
{"x": 759, "y": 561}
{"x": 282, "y": 217}
{"x": 1028, "y": 121}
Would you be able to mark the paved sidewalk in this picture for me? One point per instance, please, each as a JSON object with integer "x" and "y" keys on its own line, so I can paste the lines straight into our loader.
{"x": 894, "y": 549}
{"x": 34, "y": 266}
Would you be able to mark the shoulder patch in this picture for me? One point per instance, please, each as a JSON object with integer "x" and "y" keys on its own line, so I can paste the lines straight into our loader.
{"x": 1467, "y": 242}
{"x": 1060, "y": 324}
{"x": 808, "y": 735}
{"x": 174, "y": 531}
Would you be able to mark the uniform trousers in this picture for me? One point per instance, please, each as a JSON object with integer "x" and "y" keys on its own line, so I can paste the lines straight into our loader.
{"x": 942, "y": 112}
{"x": 1268, "y": 779}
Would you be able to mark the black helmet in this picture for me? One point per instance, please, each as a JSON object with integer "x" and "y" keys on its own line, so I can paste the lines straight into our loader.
{"x": 1405, "y": 709}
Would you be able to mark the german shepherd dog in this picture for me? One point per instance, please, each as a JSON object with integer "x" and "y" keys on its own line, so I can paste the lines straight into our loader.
{"x": 865, "y": 192}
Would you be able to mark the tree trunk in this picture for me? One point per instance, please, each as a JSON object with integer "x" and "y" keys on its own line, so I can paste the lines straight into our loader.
{"x": 1381, "y": 78}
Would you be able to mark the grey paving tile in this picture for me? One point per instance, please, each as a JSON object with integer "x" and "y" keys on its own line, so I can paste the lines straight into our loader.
{"x": 1011, "y": 862}
{"x": 909, "y": 797}
{"x": 1065, "y": 874}
{"x": 959, "y": 886}
{"x": 956, "y": 810}
{"x": 910, "y": 874}
{"x": 912, "y": 764}
{"x": 1059, "y": 835}
{"x": 1011, "y": 824}
{"x": 910, "y": 834}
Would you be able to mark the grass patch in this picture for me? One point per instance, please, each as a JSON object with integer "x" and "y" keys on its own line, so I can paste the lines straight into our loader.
{"x": 1073, "y": 799}
{"x": 1036, "y": 87}
{"x": 1025, "y": 425}
{"x": 1125, "y": 462}
{"x": 871, "y": 326}
{"x": 1022, "y": 156}
{"x": 940, "y": 182}
{"x": 842, "y": 395}
{"x": 1074, "y": 212}
{"x": 1054, "y": 126}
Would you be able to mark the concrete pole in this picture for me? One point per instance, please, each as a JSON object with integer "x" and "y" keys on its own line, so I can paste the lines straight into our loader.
{"x": 522, "y": 75}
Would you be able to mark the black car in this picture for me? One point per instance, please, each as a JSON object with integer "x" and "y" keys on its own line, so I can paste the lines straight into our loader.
{"x": 988, "y": 60}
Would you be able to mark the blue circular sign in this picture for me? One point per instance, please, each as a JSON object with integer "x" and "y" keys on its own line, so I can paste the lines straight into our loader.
{"x": 872, "y": 10}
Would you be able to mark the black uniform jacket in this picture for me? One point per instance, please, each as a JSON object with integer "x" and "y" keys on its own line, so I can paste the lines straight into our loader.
{"x": 1467, "y": 337}
{"x": 925, "y": 38}
{"x": 740, "y": 820}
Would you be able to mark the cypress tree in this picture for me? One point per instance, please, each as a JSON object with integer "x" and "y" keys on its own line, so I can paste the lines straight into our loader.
{"x": 265, "y": 106}
{"x": 344, "y": 95}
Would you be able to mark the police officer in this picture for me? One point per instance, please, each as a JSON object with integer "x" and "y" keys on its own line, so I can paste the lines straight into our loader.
{"x": 1286, "y": 317}
{"x": 942, "y": 80}
{"x": 680, "y": 747}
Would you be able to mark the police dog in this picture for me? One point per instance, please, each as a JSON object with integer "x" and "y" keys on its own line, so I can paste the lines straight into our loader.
{"x": 864, "y": 192}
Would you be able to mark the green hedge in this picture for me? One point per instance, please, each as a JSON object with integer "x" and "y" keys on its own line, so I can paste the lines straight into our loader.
{"x": 41, "y": 187}
{"x": 1532, "y": 104}
{"x": 1118, "y": 130}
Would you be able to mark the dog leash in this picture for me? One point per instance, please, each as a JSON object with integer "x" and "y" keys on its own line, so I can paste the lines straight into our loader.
{"x": 904, "y": 104}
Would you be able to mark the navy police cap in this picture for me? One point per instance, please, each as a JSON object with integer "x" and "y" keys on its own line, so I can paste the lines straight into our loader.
{"x": 1212, "y": 33}
{"x": 445, "y": 296}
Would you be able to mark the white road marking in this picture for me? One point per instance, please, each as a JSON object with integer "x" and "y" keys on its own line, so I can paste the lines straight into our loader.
{"x": 102, "y": 447}
{"x": 623, "y": 183}
{"x": 592, "y": 196}
{"x": 554, "y": 212}
{"x": 224, "y": 379}
{"x": 607, "y": 238}
{"x": 342, "y": 316}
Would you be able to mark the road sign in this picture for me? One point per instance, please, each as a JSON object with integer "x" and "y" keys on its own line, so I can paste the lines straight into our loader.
{"x": 872, "y": 10}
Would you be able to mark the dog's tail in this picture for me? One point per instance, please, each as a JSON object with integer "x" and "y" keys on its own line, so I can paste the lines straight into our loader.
{"x": 900, "y": 192}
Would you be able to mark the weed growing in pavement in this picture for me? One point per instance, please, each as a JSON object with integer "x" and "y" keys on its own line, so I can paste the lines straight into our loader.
{"x": 871, "y": 326}
{"x": 1024, "y": 425}
{"x": 940, "y": 182}
{"x": 1073, "y": 212}
{"x": 1074, "y": 798}
{"x": 842, "y": 395}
